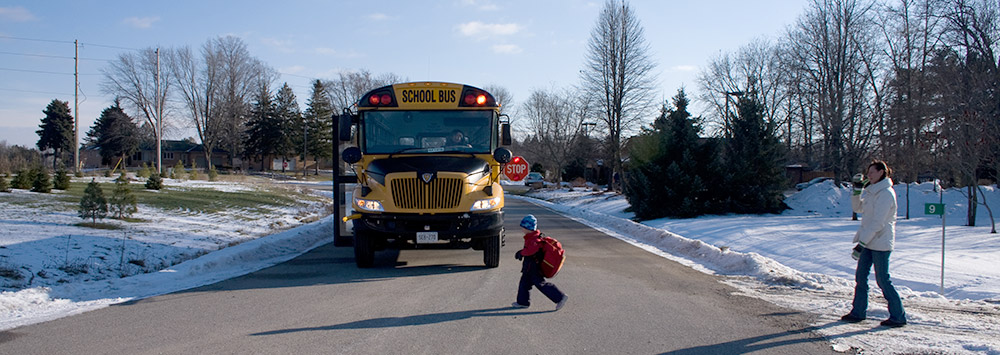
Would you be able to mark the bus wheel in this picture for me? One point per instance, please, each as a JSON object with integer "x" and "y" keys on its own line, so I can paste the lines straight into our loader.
{"x": 491, "y": 251}
{"x": 364, "y": 251}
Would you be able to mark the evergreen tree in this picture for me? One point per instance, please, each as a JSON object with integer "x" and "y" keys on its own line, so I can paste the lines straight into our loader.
{"x": 212, "y": 173}
{"x": 193, "y": 173}
{"x": 93, "y": 205}
{"x": 114, "y": 134}
{"x": 57, "y": 132}
{"x": 123, "y": 201}
{"x": 155, "y": 182}
{"x": 62, "y": 180}
{"x": 4, "y": 185}
{"x": 673, "y": 172}
{"x": 754, "y": 157}
{"x": 42, "y": 182}
{"x": 263, "y": 128}
{"x": 178, "y": 170}
{"x": 289, "y": 118}
{"x": 319, "y": 118}
{"x": 24, "y": 179}
{"x": 143, "y": 171}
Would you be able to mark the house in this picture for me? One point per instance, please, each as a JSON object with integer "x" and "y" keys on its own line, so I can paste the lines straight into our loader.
{"x": 173, "y": 151}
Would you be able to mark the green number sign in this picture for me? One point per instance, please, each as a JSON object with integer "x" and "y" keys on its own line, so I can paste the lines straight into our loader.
{"x": 934, "y": 208}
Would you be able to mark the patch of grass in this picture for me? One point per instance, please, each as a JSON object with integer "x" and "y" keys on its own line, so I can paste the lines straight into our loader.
{"x": 202, "y": 200}
{"x": 133, "y": 220}
{"x": 10, "y": 272}
{"x": 98, "y": 225}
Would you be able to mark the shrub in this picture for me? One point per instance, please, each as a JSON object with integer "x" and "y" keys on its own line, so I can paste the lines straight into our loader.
{"x": 143, "y": 171}
{"x": 122, "y": 202}
{"x": 24, "y": 179}
{"x": 42, "y": 182}
{"x": 107, "y": 173}
{"x": 93, "y": 205}
{"x": 212, "y": 173}
{"x": 155, "y": 182}
{"x": 62, "y": 180}
{"x": 193, "y": 174}
{"x": 178, "y": 169}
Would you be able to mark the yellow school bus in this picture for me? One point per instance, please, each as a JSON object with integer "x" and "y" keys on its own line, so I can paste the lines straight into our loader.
{"x": 427, "y": 158}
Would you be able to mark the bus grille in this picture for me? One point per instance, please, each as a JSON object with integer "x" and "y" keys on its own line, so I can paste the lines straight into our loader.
{"x": 411, "y": 193}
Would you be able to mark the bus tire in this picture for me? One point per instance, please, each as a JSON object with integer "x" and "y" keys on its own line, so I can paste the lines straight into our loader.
{"x": 491, "y": 251}
{"x": 364, "y": 251}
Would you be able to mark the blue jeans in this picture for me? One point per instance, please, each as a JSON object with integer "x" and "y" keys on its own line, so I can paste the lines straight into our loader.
{"x": 880, "y": 259}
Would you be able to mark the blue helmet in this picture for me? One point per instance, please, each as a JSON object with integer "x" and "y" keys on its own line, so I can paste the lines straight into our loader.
{"x": 529, "y": 222}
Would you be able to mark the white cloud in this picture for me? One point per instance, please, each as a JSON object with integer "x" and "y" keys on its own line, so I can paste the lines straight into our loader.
{"x": 481, "y": 5}
{"x": 507, "y": 49}
{"x": 379, "y": 17}
{"x": 16, "y": 14}
{"x": 285, "y": 46}
{"x": 141, "y": 22}
{"x": 479, "y": 29}
{"x": 684, "y": 68}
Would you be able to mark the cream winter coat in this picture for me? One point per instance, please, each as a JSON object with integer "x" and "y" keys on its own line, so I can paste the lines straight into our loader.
{"x": 877, "y": 206}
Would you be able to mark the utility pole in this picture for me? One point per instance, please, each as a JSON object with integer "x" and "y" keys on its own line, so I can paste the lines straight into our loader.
{"x": 76, "y": 106}
{"x": 159, "y": 116}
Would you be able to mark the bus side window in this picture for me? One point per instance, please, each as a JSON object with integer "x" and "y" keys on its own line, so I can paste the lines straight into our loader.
{"x": 407, "y": 141}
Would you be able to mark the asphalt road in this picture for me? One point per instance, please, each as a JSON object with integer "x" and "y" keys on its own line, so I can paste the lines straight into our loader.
{"x": 622, "y": 301}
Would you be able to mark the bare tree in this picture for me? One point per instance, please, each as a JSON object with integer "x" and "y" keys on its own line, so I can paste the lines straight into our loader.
{"x": 503, "y": 96}
{"x": 136, "y": 78}
{"x": 347, "y": 88}
{"x": 554, "y": 120}
{"x": 618, "y": 74}
{"x": 217, "y": 89}
{"x": 831, "y": 51}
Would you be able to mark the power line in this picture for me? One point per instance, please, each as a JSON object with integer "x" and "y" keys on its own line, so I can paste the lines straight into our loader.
{"x": 34, "y": 39}
{"x": 36, "y": 92}
{"x": 35, "y": 71}
{"x": 51, "y": 56}
{"x": 108, "y": 46}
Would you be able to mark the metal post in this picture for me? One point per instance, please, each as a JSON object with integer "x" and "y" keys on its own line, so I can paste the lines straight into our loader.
{"x": 942, "y": 252}
{"x": 76, "y": 106}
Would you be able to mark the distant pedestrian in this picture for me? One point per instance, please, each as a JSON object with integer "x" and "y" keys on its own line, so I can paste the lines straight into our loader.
{"x": 531, "y": 272}
{"x": 875, "y": 239}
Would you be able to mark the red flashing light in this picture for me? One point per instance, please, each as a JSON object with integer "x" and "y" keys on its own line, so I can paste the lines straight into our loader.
{"x": 470, "y": 99}
{"x": 373, "y": 100}
{"x": 516, "y": 160}
{"x": 480, "y": 100}
{"x": 385, "y": 99}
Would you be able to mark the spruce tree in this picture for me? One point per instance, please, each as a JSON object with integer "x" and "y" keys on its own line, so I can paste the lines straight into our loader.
{"x": 56, "y": 131}
{"x": 155, "y": 182}
{"x": 262, "y": 127}
{"x": 62, "y": 180}
{"x": 122, "y": 202}
{"x": 24, "y": 179}
{"x": 42, "y": 182}
{"x": 4, "y": 185}
{"x": 93, "y": 205}
{"x": 288, "y": 119}
{"x": 114, "y": 134}
{"x": 319, "y": 118}
{"x": 193, "y": 174}
{"x": 754, "y": 157}
{"x": 178, "y": 170}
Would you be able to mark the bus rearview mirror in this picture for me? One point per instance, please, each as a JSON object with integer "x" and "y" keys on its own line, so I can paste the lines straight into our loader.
{"x": 505, "y": 138}
{"x": 344, "y": 126}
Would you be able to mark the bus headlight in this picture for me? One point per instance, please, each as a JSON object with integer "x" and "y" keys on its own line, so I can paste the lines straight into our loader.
{"x": 486, "y": 204}
{"x": 368, "y": 205}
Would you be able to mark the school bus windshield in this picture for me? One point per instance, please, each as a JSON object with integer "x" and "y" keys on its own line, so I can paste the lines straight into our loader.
{"x": 389, "y": 132}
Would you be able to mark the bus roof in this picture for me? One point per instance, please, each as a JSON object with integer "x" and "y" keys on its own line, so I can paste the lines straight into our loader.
{"x": 427, "y": 95}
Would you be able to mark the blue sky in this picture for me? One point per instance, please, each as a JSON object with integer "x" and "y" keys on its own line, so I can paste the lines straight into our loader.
{"x": 521, "y": 44}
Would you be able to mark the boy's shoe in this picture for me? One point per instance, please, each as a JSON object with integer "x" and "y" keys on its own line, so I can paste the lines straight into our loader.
{"x": 518, "y": 305}
{"x": 892, "y": 324}
{"x": 850, "y": 318}
{"x": 561, "y": 302}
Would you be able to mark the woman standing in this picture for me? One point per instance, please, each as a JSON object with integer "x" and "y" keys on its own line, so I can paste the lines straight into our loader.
{"x": 875, "y": 239}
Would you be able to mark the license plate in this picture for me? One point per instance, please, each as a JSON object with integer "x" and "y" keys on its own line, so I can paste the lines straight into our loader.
{"x": 427, "y": 237}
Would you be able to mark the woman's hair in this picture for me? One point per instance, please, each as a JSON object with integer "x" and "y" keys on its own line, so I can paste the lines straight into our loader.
{"x": 881, "y": 166}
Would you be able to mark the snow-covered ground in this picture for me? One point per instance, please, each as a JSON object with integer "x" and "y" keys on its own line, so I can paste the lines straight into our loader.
{"x": 799, "y": 259}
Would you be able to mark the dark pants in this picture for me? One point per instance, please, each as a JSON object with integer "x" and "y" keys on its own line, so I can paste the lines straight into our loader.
{"x": 879, "y": 259}
{"x": 531, "y": 275}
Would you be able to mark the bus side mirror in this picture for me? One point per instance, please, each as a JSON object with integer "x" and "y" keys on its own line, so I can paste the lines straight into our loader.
{"x": 344, "y": 126}
{"x": 351, "y": 155}
{"x": 502, "y": 155}
{"x": 505, "y": 138}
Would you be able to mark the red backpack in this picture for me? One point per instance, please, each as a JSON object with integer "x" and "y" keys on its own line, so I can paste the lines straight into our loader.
{"x": 553, "y": 258}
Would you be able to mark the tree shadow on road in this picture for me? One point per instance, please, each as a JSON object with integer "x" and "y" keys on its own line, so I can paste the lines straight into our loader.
{"x": 423, "y": 319}
{"x": 770, "y": 341}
